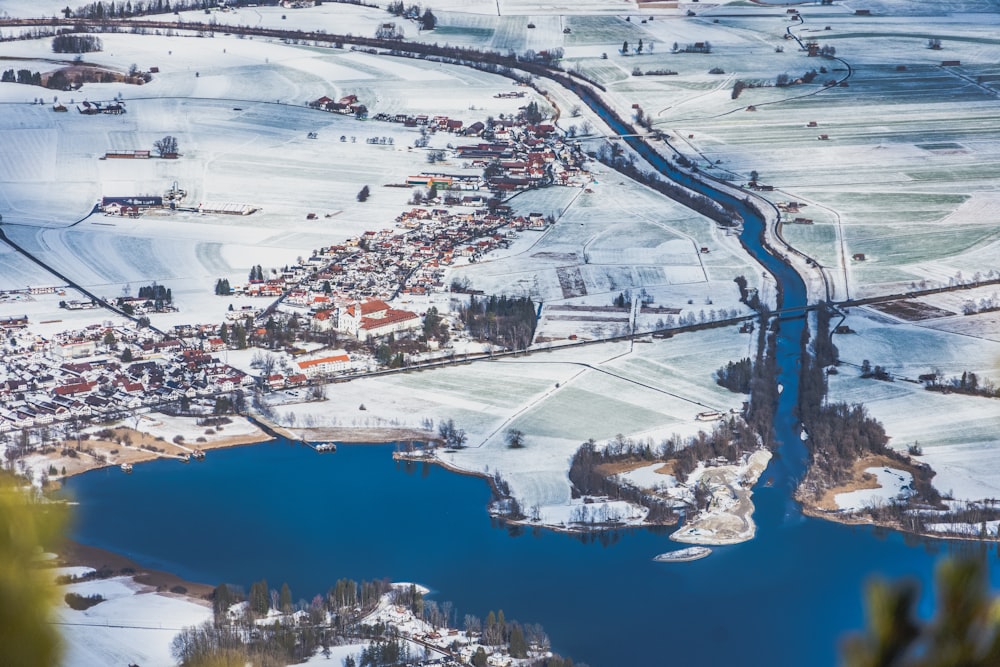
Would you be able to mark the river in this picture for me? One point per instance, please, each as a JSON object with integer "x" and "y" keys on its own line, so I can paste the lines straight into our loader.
{"x": 285, "y": 513}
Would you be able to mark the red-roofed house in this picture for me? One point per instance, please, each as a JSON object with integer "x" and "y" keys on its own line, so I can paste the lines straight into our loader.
{"x": 325, "y": 365}
{"x": 75, "y": 389}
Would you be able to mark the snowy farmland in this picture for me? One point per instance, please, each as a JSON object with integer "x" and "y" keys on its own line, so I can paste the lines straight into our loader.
{"x": 228, "y": 138}
{"x": 559, "y": 399}
{"x": 957, "y": 433}
{"x": 133, "y": 624}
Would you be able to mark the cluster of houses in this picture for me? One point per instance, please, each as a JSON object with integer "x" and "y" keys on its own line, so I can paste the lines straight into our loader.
{"x": 788, "y": 213}
{"x": 432, "y": 123}
{"x": 347, "y": 105}
{"x": 75, "y": 375}
{"x": 345, "y": 287}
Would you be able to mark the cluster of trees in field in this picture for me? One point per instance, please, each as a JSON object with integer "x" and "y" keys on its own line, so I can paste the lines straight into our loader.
{"x": 25, "y": 76}
{"x": 156, "y": 293}
{"x": 82, "y": 602}
{"x": 75, "y": 43}
{"x": 166, "y": 146}
{"x": 425, "y": 18}
{"x": 967, "y": 383}
{"x": 736, "y": 376}
{"x": 127, "y": 8}
{"x": 785, "y": 79}
{"x": 451, "y": 436}
{"x": 874, "y": 372}
{"x": 503, "y": 320}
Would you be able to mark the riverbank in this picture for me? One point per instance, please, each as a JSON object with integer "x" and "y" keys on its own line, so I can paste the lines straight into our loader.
{"x": 729, "y": 517}
{"x": 140, "y": 439}
{"x": 358, "y": 434}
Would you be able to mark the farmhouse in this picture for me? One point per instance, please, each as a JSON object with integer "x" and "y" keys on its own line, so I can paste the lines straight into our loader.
{"x": 13, "y": 322}
{"x": 116, "y": 205}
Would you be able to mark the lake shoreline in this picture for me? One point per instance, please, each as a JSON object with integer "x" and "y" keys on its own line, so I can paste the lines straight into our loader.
{"x": 72, "y": 553}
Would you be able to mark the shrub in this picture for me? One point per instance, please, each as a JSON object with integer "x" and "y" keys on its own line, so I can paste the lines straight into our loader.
{"x": 82, "y": 602}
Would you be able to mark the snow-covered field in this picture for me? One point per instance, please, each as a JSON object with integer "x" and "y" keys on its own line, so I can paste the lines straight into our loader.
{"x": 618, "y": 237}
{"x": 235, "y": 147}
{"x": 959, "y": 434}
{"x": 133, "y": 625}
{"x": 559, "y": 399}
{"x": 892, "y": 485}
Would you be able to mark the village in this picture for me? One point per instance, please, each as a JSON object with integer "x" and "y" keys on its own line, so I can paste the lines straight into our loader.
{"x": 326, "y": 311}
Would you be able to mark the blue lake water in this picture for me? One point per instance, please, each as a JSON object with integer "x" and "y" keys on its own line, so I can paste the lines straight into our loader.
{"x": 285, "y": 513}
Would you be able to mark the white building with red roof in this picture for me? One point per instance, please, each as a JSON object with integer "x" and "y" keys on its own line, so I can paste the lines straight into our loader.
{"x": 375, "y": 318}
{"x": 324, "y": 365}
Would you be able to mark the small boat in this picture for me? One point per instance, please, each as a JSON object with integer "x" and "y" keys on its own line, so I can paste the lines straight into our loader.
{"x": 198, "y": 455}
{"x": 683, "y": 555}
{"x": 184, "y": 458}
{"x": 325, "y": 446}
{"x": 126, "y": 467}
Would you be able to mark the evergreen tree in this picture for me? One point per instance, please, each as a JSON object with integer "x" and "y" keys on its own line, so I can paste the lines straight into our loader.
{"x": 285, "y": 599}
{"x": 428, "y": 21}
{"x": 259, "y": 598}
{"x": 222, "y": 599}
{"x": 518, "y": 646}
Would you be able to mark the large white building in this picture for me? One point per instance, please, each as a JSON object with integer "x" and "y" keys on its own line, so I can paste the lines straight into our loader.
{"x": 375, "y": 318}
{"x": 328, "y": 365}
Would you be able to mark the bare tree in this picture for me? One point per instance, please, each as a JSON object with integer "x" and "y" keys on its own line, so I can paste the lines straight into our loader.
{"x": 166, "y": 145}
